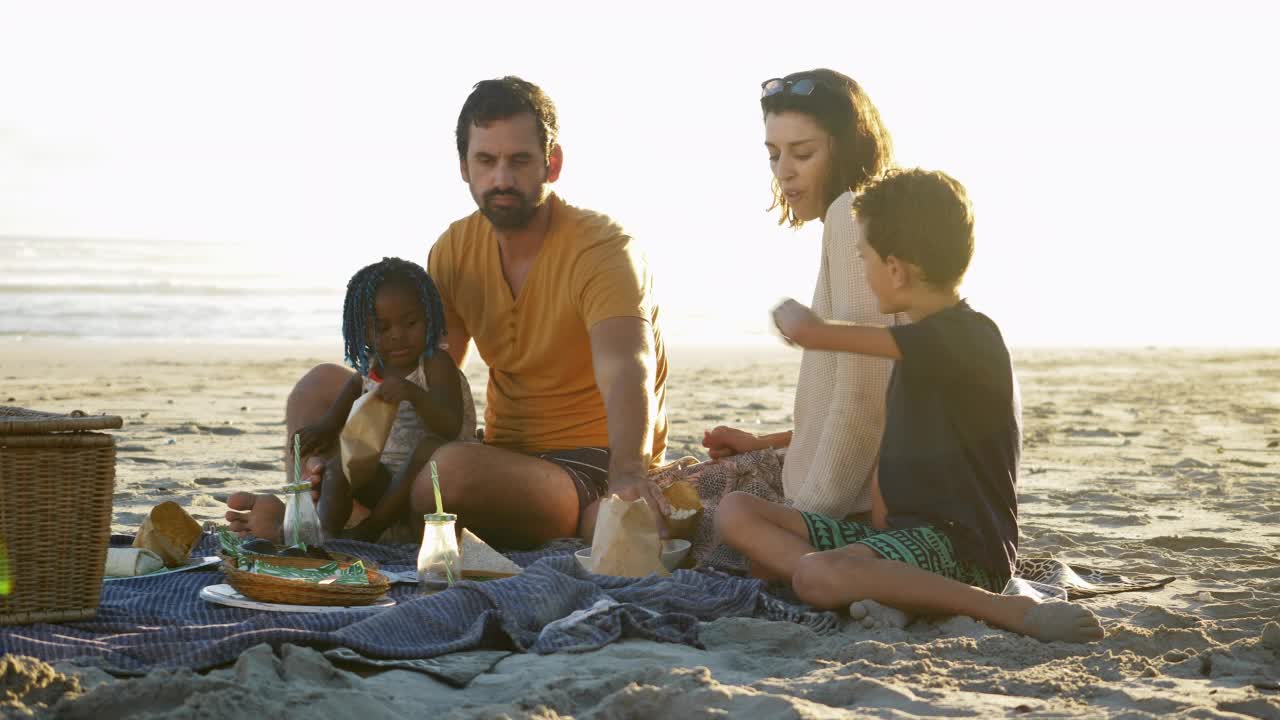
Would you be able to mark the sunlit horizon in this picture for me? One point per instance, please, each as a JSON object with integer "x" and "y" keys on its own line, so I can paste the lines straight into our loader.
{"x": 1119, "y": 157}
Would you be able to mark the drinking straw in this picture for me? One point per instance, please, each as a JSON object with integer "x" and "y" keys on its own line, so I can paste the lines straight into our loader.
{"x": 6, "y": 585}
{"x": 435, "y": 484}
{"x": 297, "y": 457}
{"x": 297, "y": 478}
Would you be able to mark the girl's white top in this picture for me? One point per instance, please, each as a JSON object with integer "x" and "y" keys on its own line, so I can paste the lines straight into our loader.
{"x": 408, "y": 429}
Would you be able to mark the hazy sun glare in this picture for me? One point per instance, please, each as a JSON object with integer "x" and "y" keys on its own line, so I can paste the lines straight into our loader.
{"x": 1120, "y": 156}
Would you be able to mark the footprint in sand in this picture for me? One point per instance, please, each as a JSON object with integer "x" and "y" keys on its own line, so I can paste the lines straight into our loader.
{"x": 130, "y": 519}
{"x": 222, "y": 430}
{"x": 256, "y": 465}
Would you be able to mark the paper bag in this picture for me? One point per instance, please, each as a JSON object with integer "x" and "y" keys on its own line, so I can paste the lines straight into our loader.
{"x": 626, "y": 542}
{"x": 479, "y": 559}
{"x": 131, "y": 562}
{"x": 364, "y": 436}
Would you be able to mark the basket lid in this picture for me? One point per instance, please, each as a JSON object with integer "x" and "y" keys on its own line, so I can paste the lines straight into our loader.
{"x": 21, "y": 421}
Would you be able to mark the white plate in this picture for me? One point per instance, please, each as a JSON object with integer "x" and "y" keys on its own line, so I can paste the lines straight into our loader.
{"x": 226, "y": 595}
{"x": 191, "y": 565}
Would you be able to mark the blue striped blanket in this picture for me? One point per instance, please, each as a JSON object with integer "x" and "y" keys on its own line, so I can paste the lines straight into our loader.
{"x": 554, "y": 606}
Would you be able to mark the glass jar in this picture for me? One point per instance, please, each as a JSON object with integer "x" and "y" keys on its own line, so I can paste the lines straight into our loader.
{"x": 301, "y": 521}
{"x": 439, "y": 564}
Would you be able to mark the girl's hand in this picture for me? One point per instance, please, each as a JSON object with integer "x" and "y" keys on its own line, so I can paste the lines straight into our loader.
{"x": 317, "y": 438}
{"x": 397, "y": 390}
{"x": 721, "y": 442}
{"x": 313, "y": 472}
{"x": 795, "y": 321}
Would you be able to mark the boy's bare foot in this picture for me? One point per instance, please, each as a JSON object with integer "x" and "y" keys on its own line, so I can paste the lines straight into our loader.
{"x": 873, "y": 615}
{"x": 1058, "y": 620}
{"x": 261, "y": 516}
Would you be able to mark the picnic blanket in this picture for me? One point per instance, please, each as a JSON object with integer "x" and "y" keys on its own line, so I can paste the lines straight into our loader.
{"x": 554, "y": 606}
{"x": 759, "y": 473}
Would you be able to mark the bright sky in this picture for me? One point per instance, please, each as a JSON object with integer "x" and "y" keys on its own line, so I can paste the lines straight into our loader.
{"x": 1122, "y": 157}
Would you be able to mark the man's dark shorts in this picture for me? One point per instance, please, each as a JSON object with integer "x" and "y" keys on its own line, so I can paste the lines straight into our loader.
{"x": 588, "y": 467}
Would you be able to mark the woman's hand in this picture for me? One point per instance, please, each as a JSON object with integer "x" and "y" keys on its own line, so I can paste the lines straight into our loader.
{"x": 722, "y": 442}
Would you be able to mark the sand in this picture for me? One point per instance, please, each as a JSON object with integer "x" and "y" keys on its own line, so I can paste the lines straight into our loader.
{"x": 1154, "y": 461}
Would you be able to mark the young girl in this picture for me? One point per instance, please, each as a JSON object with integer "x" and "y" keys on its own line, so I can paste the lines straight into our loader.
{"x": 392, "y": 327}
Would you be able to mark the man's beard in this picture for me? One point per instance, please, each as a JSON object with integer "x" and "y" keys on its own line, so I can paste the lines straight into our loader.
{"x": 512, "y": 217}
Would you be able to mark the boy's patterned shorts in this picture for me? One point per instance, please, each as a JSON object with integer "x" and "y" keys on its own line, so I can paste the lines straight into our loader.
{"x": 923, "y": 547}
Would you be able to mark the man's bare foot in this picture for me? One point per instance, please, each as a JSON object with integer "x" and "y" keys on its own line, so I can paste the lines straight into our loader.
{"x": 261, "y": 516}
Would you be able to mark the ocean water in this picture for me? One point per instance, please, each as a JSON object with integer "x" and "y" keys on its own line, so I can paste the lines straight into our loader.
{"x": 160, "y": 291}
{"x": 117, "y": 289}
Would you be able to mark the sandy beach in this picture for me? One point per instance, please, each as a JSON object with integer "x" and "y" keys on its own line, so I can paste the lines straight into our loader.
{"x": 1154, "y": 461}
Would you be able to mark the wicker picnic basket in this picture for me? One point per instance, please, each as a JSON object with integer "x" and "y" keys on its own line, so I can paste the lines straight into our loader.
{"x": 56, "y": 484}
{"x": 266, "y": 588}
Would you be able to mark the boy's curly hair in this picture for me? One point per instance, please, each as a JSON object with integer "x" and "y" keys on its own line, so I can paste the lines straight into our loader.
{"x": 921, "y": 217}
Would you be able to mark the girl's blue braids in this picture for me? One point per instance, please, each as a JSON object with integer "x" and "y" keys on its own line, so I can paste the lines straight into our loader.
{"x": 359, "y": 314}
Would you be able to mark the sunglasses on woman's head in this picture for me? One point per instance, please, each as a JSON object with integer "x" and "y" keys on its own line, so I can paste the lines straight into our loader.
{"x": 801, "y": 86}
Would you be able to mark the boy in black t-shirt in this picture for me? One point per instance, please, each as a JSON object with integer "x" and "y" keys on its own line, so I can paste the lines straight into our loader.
{"x": 944, "y": 523}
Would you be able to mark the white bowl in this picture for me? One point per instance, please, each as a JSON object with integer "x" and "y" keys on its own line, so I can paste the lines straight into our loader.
{"x": 673, "y": 552}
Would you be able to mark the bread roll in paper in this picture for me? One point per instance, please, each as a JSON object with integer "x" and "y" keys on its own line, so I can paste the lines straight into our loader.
{"x": 626, "y": 542}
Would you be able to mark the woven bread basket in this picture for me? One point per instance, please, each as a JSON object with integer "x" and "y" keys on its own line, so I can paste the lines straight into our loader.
{"x": 266, "y": 588}
{"x": 56, "y": 484}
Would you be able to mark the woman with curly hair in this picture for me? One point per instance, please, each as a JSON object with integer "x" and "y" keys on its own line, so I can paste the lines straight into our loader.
{"x": 826, "y": 143}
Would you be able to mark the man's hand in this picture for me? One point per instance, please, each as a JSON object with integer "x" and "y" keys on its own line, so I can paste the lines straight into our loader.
{"x": 795, "y": 321}
{"x": 397, "y": 390}
{"x": 629, "y": 487}
{"x": 722, "y": 442}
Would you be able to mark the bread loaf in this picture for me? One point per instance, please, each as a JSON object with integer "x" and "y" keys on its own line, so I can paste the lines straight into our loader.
{"x": 169, "y": 532}
{"x": 686, "y": 509}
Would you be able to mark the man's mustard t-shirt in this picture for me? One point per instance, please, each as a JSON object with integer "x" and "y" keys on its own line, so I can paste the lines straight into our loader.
{"x": 542, "y": 392}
